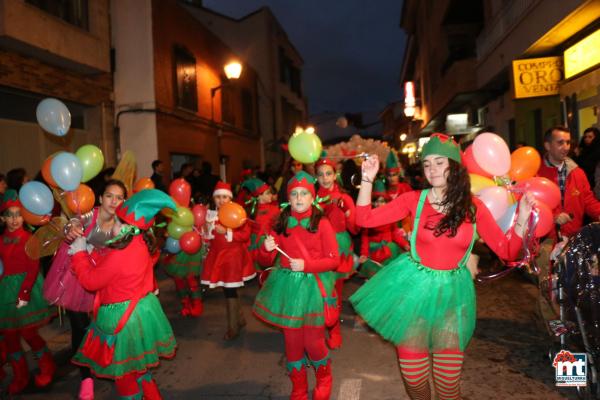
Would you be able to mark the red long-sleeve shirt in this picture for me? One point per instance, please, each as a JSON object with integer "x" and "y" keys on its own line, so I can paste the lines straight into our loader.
{"x": 335, "y": 209}
{"x": 389, "y": 233}
{"x": 266, "y": 215}
{"x": 16, "y": 261}
{"x": 118, "y": 276}
{"x": 442, "y": 252}
{"x": 321, "y": 247}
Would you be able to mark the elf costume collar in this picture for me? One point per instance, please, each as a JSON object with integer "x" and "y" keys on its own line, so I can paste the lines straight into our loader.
{"x": 299, "y": 219}
{"x": 442, "y": 145}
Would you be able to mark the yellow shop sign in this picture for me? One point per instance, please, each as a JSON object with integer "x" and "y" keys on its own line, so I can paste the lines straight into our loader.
{"x": 582, "y": 55}
{"x": 537, "y": 77}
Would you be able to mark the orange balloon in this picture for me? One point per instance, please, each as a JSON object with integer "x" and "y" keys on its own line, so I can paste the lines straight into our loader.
{"x": 80, "y": 200}
{"x": 34, "y": 219}
{"x": 524, "y": 163}
{"x": 232, "y": 215}
{"x": 167, "y": 212}
{"x": 143, "y": 183}
{"x": 46, "y": 172}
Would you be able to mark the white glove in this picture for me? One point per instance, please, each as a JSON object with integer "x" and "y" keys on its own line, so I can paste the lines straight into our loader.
{"x": 22, "y": 303}
{"x": 79, "y": 244}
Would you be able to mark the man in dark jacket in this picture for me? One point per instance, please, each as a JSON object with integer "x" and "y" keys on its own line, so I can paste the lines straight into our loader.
{"x": 157, "y": 175}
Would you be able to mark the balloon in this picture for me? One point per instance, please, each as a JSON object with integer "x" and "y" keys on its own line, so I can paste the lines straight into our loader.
{"x": 80, "y": 200}
{"x": 479, "y": 182}
{"x": 91, "y": 159}
{"x": 305, "y": 146}
{"x": 46, "y": 174}
{"x": 53, "y": 116}
{"x": 167, "y": 212}
{"x": 232, "y": 215}
{"x": 199, "y": 213}
{"x": 542, "y": 189}
{"x": 175, "y": 231}
{"x": 470, "y": 163}
{"x": 183, "y": 217}
{"x": 142, "y": 184}
{"x": 34, "y": 219}
{"x": 36, "y": 198}
{"x": 495, "y": 199}
{"x": 506, "y": 220}
{"x": 66, "y": 171}
{"x": 545, "y": 220}
{"x": 190, "y": 242}
{"x": 172, "y": 245}
{"x": 181, "y": 191}
{"x": 491, "y": 153}
{"x": 524, "y": 163}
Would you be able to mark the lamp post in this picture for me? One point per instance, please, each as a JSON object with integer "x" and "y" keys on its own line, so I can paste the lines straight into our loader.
{"x": 233, "y": 70}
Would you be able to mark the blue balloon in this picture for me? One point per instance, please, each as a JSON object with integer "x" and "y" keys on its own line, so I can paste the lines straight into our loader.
{"x": 67, "y": 171}
{"x": 36, "y": 197}
{"x": 172, "y": 245}
{"x": 53, "y": 116}
{"x": 505, "y": 221}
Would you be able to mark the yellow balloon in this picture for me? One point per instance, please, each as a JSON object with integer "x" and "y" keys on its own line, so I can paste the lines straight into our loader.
{"x": 479, "y": 182}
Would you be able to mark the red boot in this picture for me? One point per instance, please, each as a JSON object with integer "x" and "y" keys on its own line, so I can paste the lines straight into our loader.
{"x": 20, "y": 372}
{"x": 322, "y": 390}
{"x": 334, "y": 341}
{"x": 185, "y": 306}
{"x": 150, "y": 390}
{"x": 299, "y": 384}
{"x": 196, "y": 308}
{"x": 47, "y": 368}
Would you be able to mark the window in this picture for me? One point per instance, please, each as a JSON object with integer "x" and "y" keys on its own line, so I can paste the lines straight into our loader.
{"x": 289, "y": 74}
{"x": 248, "y": 109}
{"x": 75, "y": 12}
{"x": 185, "y": 77}
{"x": 227, "y": 96}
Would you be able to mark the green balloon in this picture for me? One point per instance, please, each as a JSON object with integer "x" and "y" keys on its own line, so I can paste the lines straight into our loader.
{"x": 176, "y": 231}
{"x": 183, "y": 217}
{"x": 92, "y": 161}
{"x": 305, "y": 147}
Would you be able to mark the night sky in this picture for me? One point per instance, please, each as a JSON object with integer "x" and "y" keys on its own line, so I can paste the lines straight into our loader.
{"x": 352, "y": 49}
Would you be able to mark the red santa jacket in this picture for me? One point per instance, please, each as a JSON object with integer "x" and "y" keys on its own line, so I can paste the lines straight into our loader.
{"x": 16, "y": 261}
{"x": 578, "y": 197}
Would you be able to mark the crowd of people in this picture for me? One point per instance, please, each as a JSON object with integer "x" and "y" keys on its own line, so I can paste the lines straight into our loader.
{"x": 308, "y": 231}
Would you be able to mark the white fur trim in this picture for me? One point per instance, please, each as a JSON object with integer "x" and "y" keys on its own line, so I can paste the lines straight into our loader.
{"x": 227, "y": 284}
{"x": 223, "y": 191}
{"x": 229, "y": 235}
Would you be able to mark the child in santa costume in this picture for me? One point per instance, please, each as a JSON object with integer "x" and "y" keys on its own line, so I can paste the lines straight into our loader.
{"x": 295, "y": 294}
{"x": 228, "y": 263}
{"x": 129, "y": 330}
{"x": 338, "y": 207}
{"x": 263, "y": 213}
{"x": 185, "y": 271}
{"x": 23, "y": 309}
{"x": 381, "y": 244}
{"x": 393, "y": 171}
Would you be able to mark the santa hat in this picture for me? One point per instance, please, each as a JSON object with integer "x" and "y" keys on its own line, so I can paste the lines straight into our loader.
{"x": 442, "y": 145}
{"x": 10, "y": 199}
{"x": 255, "y": 186}
{"x": 223, "y": 188}
{"x": 379, "y": 189}
{"x": 139, "y": 210}
{"x": 304, "y": 180}
{"x": 391, "y": 163}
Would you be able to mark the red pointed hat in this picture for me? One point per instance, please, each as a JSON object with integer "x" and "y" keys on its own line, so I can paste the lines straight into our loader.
{"x": 223, "y": 188}
{"x": 302, "y": 179}
{"x": 324, "y": 161}
{"x": 139, "y": 210}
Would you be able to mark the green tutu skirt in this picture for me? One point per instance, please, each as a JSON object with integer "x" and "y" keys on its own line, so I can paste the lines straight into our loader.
{"x": 146, "y": 336}
{"x": 183, "y": 264}
{"x": 370, "y": 268}
{"x": 418, "y": 307}
{"x": 36, "y": 313}
{"x": 291, "y": 299}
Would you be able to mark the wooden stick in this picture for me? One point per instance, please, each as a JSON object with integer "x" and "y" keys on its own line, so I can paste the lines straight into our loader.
{"x": 282, "y": 252}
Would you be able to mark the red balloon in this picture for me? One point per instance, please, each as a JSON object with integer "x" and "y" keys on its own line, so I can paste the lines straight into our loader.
{"x": 543, "y": 189}
{"x": 181, "y": 191}
{"x": 232, "y": 215}
{"x": 545, "y": 220}
{"x": 190, "y": 242}
{"x": 471, "y": 165}
{"x": 199, "y": 212}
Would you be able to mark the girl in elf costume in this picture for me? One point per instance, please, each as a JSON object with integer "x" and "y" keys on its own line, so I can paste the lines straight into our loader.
{"x": 381, "y": 244}
{"x": 228, "y": 263}
{"x": 62, "y": 288}
{"x": 23, "y": 309}
{"x": 263, "y": 212}
{"x": 424, "y": 301}
{"x": 129, "y": 330}
{"x": 393, "y": 171}
{"x": 339, "y": 209}
{"x": 295, "y": 294}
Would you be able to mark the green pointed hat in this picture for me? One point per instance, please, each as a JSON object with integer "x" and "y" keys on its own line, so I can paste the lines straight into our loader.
{"x": 379, "y": 189}
{"x": 255, "y": 186}
{"x": 302, "y": 179}
{"x": 10, "y": 198}
{"x": 139, "y": 210}
{"x": 442, "y": 145}
{"x": 391, "y": 163}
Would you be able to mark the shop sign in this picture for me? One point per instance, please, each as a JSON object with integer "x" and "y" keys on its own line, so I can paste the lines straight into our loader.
{"x": 582, "y": 55}
{"x": 535, "y": 77}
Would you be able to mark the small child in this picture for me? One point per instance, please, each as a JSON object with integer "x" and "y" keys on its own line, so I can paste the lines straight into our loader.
{"x": 23, "y": 309}
{"x": 185, "y": 270}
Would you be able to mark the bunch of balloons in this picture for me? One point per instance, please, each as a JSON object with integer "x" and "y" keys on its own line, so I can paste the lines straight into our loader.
{"x": 182, "y": 235}
{"x": 497, "y": 176}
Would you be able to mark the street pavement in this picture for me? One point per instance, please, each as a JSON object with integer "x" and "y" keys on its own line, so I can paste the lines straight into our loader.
{"x": 507, "y": 358}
